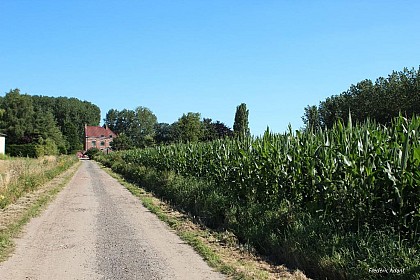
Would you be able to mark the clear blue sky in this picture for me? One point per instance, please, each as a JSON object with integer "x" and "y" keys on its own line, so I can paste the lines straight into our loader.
{"x": 204, "y": 56}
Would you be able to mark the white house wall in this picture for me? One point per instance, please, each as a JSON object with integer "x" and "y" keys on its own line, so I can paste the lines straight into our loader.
{"x": 2, "y": 144}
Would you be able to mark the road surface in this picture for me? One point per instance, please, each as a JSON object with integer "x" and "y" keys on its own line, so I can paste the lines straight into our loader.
{"x": 95, "y": 229}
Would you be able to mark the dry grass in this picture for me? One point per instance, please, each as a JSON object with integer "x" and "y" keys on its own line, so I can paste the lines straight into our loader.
{"x": 21, "y": 175}
{"x": 16, "y": 215}
{"x": 11, "y": 169}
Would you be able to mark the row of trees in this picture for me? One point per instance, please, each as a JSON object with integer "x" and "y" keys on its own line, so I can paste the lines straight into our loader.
{"x": 54, "y": 122}
{"x": 381, "y": 101}
{"x": 140, "y": 128}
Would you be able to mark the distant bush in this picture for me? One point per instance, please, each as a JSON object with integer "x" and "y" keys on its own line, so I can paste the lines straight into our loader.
{"x": 91, "y": 153}
{"x": 22, "y": 150}
{"x": 46, "y": 147}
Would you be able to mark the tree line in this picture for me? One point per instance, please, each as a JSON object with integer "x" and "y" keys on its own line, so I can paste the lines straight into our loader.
{"x": 139, "y": 128}
{"x": 381, "y": 101}
{"x": 50, "y": 124}
{"x": 38, "y": 125}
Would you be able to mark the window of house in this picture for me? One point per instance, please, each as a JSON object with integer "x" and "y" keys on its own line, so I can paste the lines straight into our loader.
{"x": 102, "y": 143}
{"x": 110, "y": 136}
{"x": 93, "y": 143}
{"x": 102, "y": 135}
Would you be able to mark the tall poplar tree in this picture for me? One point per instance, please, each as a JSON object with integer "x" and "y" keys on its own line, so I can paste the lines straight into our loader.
{"x": 240, "y": 126}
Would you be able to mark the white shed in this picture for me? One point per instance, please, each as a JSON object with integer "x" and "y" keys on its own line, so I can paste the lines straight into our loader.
{"x": 2, "y": 143}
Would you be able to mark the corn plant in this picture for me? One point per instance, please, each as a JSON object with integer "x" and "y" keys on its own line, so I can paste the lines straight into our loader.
{"x": 352, "y": 175}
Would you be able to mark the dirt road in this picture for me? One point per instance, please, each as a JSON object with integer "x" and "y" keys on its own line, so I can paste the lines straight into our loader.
{"x": 95, "y": 229}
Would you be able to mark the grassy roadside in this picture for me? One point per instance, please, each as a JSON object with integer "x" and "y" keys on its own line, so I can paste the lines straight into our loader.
{"x": 219, "y": 249}
{"x": 19, "y": 176}
{"x": 31, "y": 205}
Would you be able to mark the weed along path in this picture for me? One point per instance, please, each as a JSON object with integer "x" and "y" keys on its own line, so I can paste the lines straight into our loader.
{"x": 95, "y": 229}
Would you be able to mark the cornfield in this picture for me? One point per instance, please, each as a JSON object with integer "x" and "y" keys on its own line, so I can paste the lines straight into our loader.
{"x": 365, "y": 173}
{"x": 349, "y": 177}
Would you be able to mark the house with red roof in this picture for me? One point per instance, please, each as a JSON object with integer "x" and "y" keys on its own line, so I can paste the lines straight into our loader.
{"x": 98, "y": 137}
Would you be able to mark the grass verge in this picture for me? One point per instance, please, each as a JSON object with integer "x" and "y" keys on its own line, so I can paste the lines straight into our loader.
{"x": 19, "y": 176}
{"x": 13, "y": 228}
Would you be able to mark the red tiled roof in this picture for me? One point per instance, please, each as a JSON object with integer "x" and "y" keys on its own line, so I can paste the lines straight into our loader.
{"x": 98, "y": 131}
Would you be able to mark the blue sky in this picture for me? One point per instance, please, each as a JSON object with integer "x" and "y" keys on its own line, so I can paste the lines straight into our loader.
{"x": 204, "y": 56}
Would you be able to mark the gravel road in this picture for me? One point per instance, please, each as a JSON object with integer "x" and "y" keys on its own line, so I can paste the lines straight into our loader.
{"x": 95, "y": 229}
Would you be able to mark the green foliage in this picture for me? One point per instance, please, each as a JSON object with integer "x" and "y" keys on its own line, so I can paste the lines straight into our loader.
{"x": 30, "y": 177}
{"x": 48, "y": 133}
{"x": 17, "y": 121}
{"x": 361, "y": 182}
{"x": 311, "y": 118}
{"x": 22, "y": 150}
{"x": 28, "y": 119}
{"x": 209, "y": 131}
{"x": 147, "y": 121}
{"x": 71, "y": 115}
{"x": 188, "y": 128}
{"x": 92, "y": 153}
{"x": 122, "y": 142}
{"x": 71, "y": 134}
{"x": 215, "y": 130}
{"x": 46, "y": 147}
{"x": 240, "y": 126}
{"x": 164, "y": 133}
{"x": 138, "y": 125}
{"x": 381, "y": 101}
{"x": 222, "y": 131}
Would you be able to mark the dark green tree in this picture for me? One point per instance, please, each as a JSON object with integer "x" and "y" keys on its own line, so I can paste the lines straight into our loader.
{"x": 18, "y": 117}
{"x": 164, "y": 133}
{"x": 46, "y": 131}
{"x": 222, "y": 130}
{"x": 240, "y": 126}
{"x": 380, "y": 101}
{"x": 70, "y": 111}
{"x": 209, "y": 131}
{"x": 122, "y": 142}
{"x": 126, "y": 122}
{"x": 111, "y": 119}
{"x": 46, "y": 121}
{"x": 311, "y": 118}
{"x": 215, "y": 130}
{"x": 71, "y": 135}
{"x": 188, "y": 128}
{"x": 138, "y": 125}
{"x": 145, "y": 127}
